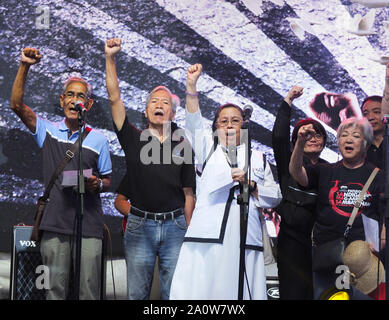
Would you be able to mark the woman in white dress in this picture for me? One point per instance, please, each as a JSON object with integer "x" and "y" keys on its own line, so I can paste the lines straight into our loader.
{"x": 208, "y": 265}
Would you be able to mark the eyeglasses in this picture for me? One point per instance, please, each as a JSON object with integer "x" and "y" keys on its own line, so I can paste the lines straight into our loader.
{"x": 235, "y": 122}
{"x": 71, "y": 94}
{"x": 317, "y": 136}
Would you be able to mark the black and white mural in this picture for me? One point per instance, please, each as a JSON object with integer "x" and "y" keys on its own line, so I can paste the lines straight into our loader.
{"x": 252, "y": 52}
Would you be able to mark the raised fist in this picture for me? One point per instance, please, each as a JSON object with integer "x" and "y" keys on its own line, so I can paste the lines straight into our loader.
{"x": 113, "y": 46}
{"x": 294, "y": 93}
{"x": 31, "y": 56}
{"x": 306, "y": 133}
{"x": 193, "y": 74}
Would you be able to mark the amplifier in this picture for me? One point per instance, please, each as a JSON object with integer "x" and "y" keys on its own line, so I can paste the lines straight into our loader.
{"x": 26, "y": 266}
{"x": 27, "y": 269}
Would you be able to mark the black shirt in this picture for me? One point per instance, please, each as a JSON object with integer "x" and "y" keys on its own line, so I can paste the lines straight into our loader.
{"x": 156, "y": 172}
{"x": 339, "y": 188}
{"x": 376, "y": 155}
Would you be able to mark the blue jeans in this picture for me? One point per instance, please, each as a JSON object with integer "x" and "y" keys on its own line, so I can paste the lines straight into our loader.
{"x": 144, "y": 240}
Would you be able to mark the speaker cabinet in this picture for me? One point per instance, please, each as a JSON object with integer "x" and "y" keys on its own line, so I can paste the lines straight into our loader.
{"x": 27, "y": 267}
{"x": 26, "y": 263}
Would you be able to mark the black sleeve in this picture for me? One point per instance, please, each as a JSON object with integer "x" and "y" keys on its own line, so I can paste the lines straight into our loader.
{"x": 124, "y": 187}
{"x": 188, "y": 173}
{"x": 313, "y": 173}
{"x": 281, "y": 140}
{"x": 379, "y": 192}
{"x": 188, "y": 176}
{"x": 128, "y": 136}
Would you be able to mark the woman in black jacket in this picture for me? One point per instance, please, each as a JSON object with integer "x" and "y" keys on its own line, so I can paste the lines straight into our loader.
{"x": 297, "y": 208}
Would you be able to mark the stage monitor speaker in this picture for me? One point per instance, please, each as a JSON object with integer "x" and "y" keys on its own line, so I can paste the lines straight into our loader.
{"x": 27, "y": 266}
{"x": 25, "y": 262}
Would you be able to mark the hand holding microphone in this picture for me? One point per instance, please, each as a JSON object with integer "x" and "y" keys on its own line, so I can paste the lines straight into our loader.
{"x": 236, "y": 173}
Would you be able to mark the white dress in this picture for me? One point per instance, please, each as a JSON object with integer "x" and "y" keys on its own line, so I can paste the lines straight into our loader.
{"x": 208, "y": 264}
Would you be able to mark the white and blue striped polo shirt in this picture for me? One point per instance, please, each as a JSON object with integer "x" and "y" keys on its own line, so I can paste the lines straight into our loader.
{"x": 55, "y": 138}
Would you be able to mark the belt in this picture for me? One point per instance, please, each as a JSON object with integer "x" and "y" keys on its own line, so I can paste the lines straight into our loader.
{"x": 157, "y": 216}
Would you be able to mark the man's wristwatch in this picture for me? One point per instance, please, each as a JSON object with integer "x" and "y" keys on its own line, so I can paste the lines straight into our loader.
{"x": 101, "y": 186}
{"x": 252, "y": 186}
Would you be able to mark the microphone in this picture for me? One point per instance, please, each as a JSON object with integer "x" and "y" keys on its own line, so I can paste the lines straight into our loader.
{"x": 247, "y": 112}
{"x": 78, "y": 106}
{"x": 232, "y": 155}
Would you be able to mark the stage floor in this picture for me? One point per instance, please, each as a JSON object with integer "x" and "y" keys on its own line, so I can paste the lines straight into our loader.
{"x": 119, "y": 273}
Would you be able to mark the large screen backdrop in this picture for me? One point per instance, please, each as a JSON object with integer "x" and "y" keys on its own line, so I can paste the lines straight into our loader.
{"x": 252, "y": 53}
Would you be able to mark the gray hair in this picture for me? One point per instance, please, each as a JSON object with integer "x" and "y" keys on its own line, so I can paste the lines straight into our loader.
{"x": 78, "y": 79}
{"x": 175, "y": 100}
{"x": 361, "y": 123}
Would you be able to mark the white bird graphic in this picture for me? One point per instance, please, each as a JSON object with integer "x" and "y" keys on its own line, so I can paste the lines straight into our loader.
{"x": 278, "y": 2}
{"x": 254, "y": 6}
{"x": 300, "y": 26}
{"x": 362, "y": 25}
{"x": 372, "y": 3}
{"x": 383, "y": 59}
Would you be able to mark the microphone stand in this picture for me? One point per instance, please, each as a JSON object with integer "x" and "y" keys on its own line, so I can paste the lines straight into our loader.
{"x": 243, "y": 201}
{"x": 386, "y": 200}
{"x": 80, "y": 208}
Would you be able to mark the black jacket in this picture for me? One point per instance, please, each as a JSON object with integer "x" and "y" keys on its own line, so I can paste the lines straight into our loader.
{"x": 297, "y": 208}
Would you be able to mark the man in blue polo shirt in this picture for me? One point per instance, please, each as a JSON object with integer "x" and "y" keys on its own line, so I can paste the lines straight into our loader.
{"x": 58, "y": 221}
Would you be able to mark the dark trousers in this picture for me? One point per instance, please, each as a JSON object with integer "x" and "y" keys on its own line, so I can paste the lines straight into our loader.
{"x": 294, "y": 262}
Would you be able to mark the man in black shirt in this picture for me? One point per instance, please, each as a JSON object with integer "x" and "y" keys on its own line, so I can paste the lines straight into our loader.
{"x": 372, "y": 111}
{"x": 159, "y": 184}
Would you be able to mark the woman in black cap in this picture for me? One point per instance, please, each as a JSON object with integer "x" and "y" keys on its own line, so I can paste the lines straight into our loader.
{"x": 297, "y": 208}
